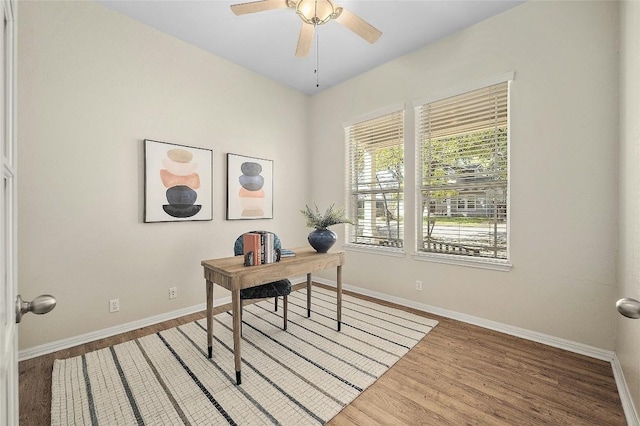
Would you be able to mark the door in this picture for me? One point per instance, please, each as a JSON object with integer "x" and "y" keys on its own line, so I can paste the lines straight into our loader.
{"x": 8, "y": 223}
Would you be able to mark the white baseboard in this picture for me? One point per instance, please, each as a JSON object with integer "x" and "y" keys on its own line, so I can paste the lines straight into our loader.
{"x": 630, "y": 412}
{"x": 627, "y": 403}
{"x": 546, "y": 339}
{"x": 48, "y": 348}
{"x": 628, "y": 406}
{"x": 569, "y": 345}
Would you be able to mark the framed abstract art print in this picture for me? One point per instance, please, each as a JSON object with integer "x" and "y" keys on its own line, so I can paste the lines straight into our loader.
{"x": 249, "y": 187}
{"x": 178, "y": 182}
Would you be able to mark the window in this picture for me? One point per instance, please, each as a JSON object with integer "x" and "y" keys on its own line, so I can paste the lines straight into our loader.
{"x": 375, "y": 179}
{"x": 462, "y": 167}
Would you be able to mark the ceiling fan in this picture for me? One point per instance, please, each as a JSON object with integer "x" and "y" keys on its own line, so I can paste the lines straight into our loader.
{"x": 313, "y": 13}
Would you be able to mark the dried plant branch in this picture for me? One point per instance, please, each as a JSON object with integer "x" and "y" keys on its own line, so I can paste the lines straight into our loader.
{"x": 332, "y": 216}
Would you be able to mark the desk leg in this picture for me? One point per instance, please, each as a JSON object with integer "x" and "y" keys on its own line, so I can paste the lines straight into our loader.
{"x": 210, "y": 317}
{"x": 339, "y": 296}
{"x": 308, "y": 295}
{"x": 236, "y": 307}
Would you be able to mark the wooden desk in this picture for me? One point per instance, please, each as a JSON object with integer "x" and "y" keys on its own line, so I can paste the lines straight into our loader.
{"x": 231, "y": 274}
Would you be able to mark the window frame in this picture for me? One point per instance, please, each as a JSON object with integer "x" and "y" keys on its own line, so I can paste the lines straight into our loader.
{"x": 456, "y": 259}
{"x": 352, "y": 210}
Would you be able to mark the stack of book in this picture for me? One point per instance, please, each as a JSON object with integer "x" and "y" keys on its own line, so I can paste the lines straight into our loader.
{"x": 287, "y": 253}
{"x": 262, "y": 245}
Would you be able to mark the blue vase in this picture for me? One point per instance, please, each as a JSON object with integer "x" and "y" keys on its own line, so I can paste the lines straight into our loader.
{"x": 322, "y": 239}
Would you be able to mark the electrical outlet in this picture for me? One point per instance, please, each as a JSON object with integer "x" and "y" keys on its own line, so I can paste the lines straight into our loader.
{"x": 114, "y": 305}
{"x": 173, "y": 292}
{"x": 418, "y": 285}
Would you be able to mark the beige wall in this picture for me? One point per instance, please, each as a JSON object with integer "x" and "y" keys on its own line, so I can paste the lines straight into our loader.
{"x": 92, "y": 85}
{"x": 628, "y": 331}
{"x": 563, "y": 167}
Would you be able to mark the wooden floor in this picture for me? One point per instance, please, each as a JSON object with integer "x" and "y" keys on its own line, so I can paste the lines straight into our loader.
{"x": 459, "y": 374}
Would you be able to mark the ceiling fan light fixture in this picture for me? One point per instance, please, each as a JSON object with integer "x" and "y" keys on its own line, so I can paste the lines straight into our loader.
{"x": 315, "y": 12}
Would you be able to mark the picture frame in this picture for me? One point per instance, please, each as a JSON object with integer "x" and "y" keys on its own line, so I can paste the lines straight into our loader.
{"x": 249, "y": 187}
{"x": 178, "y": 182}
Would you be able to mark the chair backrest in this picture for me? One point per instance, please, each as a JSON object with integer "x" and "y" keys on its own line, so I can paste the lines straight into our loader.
{"x": 238, "y": 246}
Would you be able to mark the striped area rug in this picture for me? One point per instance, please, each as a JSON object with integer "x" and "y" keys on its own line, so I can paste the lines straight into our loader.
{"x": 301, "y": 376}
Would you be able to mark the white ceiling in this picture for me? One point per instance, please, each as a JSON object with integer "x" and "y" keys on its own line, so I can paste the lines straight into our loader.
{"x": 265, "y": 42}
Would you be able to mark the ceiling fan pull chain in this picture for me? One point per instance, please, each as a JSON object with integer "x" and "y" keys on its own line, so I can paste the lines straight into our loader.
{"x": 317, "y": 60}
{"x": 315, "y": 30}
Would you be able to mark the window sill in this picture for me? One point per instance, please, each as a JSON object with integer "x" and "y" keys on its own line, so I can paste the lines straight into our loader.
{"x": 383, "y": 251}
{"x": 472, "y": 262}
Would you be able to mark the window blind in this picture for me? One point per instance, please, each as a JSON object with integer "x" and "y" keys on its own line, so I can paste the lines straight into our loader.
{"x": 375, "y": 180}
{"x": 463, "y": 166}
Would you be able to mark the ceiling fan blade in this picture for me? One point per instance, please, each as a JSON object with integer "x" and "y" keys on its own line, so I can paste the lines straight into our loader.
{"x": 359, "y": 26}
{"x": 258, "y": 6}
{"x": 305, "y": 39}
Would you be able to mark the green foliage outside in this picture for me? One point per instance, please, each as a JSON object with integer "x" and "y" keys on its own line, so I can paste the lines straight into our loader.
{"x": 392, "y": 160}
{"x": 446, "y": 157}
{"x": 447, "y": 161}
{"x": 385, "y": 159}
